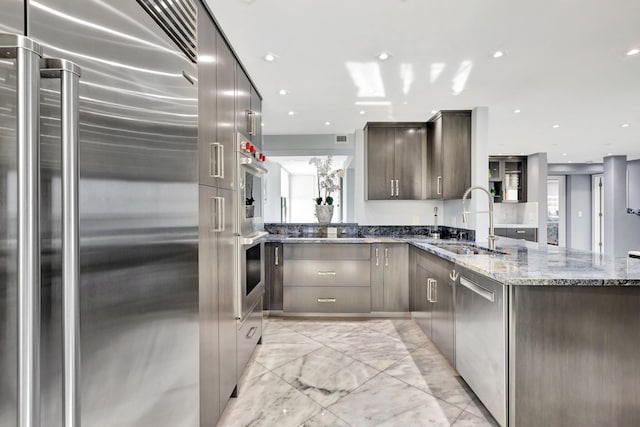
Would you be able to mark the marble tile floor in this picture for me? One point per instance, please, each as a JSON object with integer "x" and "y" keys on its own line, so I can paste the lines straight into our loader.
{"x": 372, "y": 372}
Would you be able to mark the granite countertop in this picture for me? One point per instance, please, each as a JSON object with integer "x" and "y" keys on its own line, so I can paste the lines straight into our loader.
{"x": 523, "y": 263}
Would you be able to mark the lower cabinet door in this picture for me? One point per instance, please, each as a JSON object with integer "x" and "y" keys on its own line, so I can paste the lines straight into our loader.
{"x": 249, "y": 333}
{"x": 327, "y": 299}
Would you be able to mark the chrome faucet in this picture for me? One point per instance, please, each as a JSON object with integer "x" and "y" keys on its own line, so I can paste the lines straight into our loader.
{"x": 465, "y": 214}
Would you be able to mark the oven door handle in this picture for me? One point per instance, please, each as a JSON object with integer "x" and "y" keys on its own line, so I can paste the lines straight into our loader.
{"x": 254, "y": 239}
{"x": 251, "y": 163}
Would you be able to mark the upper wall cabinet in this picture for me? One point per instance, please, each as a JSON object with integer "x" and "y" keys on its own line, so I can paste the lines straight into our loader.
{"x": 449, "y": 154}
{"x": 395, "y": 160}
{"x": 248, "y": 109}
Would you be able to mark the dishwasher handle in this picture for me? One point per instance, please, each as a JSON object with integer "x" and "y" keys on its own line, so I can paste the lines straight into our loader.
{"x": 474, "y": 287}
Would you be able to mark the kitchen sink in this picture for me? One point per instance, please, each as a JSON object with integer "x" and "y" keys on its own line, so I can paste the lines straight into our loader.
{"x": 467, "y": 249}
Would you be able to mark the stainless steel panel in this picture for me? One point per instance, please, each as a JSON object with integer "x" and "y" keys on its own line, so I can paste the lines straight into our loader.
{"x": 208, "y": 290}
{"x": 227, "y": 291}
{"x": 256, "y": 109}
{"x": 327, "y": 299}
{"x": 138, "y": 217}
{"x": 575, "y": 356}
{"x": 481, "y": 342}
{"x": 396, "y": 278}
{"x": 243, "y": 102}
{"x": 377, "y": 277}
{"x": 225, "y": 111}
{"x": 13, "y": 17}
{"x": 274, "y": 266}
{"x": 249, "y": 333}
{"x": 327, "y": 251}
{"x": 327, "y": 273}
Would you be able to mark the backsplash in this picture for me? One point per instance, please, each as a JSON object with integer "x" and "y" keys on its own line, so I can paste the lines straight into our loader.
{"x": 355, "y": 230}
{"x": 516, "y": 213}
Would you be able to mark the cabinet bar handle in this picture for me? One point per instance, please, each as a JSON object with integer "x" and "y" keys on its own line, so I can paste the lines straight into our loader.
{"x": 386, "y": 257}
{"x": 322, "y": 300}
{"x": 326, "y": 273}
{"x": 277, "y": 257}
{"x": 377, "y": 257}
{"x": 397, "y": 187}
{"x": 252, "y": 332}
{"x": 521, "y": 231}
{"x": 429, "y": 290}
{"x": 391, "y": 188}
{"x": 439, "y": 185}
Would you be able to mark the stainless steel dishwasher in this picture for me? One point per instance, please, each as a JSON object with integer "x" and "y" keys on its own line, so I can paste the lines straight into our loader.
{"x": 481, "y": 340}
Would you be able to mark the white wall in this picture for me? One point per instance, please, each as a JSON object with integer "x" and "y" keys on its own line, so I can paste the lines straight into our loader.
{"x": 301, "y": 205}
{"x": 537, "y": 172}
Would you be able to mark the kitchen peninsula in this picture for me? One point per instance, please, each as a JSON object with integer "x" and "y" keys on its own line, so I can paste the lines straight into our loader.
{"x": 552, "y": 332}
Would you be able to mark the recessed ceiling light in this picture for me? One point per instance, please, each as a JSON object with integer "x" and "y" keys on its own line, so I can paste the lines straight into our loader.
{"x": 283, "y": 92}
{"x": 361, "y": 111}
{"x": 564, "y": 154}
{"x": 433, "y": 111}
{"x": 404, "y": 102}
{"x": 625, "y": 125}
{"x": 569, "y": 161}
{"x": 556, "y": 126}
{"x": 291, "y": 113}
{"x": 383, "y": 56}
{"x": 633, "y": 52}
{"x": 522, "y": 154}
{"x": 498, "y": 54}
{"x": 327, "y": 123}
{"x": 270, "y": 57}
{"x": 516, "y": 111}
{"x": 609, "y": 154}
{"x": 499, "y": 154}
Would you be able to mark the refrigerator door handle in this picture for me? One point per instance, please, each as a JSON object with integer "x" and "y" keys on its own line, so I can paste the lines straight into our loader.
{"x": 27, "y": 54}
{"x": 69, "y": 75}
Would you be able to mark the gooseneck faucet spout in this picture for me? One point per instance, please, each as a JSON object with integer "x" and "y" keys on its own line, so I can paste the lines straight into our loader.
{"x": 465, "y": 214}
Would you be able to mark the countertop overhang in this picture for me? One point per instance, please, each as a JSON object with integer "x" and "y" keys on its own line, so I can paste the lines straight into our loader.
{"x": 524, "y": 264}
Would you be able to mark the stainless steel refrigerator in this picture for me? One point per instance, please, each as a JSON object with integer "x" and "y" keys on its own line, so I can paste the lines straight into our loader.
{"x": 134, "y": 353}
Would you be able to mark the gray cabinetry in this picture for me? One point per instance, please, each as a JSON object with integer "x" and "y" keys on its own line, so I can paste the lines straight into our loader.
{"x": 327, "y": 278}
{"x": 389, "y": 277}
{"x": 508, "y": 178}
{"x": 395, "y": 161}
{"x": 530, "y": 234}
{"x": 216, "y": 107}
{"x": 448, "y": 154}
{"x": 432, "y": 299}
{"x": 273, "y": 275}
{"x": 248, "y": 108}
{"x": 256, "y": 111}
{"x": 217, "y": 319}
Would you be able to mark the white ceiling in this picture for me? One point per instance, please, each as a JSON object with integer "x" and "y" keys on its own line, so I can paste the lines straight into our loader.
{"x": 565, "y": 63}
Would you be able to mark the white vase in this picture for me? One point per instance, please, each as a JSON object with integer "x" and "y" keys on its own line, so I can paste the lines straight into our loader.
{"x": 324, "y": 213}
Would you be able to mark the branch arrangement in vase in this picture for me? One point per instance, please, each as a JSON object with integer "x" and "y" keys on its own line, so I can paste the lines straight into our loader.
{"x": 328, "y": 181}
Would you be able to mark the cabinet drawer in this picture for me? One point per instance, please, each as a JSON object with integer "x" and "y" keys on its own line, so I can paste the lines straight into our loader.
{"x": 249, "y": 334}
{"x": 328, "y": 251}
{"x": 327, "y": 273}
{"x": 327, "y": 299}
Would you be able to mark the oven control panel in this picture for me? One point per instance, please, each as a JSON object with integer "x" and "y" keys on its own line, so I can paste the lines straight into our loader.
{"x": 250, "y": 149}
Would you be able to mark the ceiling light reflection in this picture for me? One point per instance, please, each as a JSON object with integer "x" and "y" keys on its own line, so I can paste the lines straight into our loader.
{"x": 406, "y": 74}
{"x": 436, "y": 69}
{"x": 373, "y": 103}
{"x": 367, "y": 78}
{"x": 461, "y": 77}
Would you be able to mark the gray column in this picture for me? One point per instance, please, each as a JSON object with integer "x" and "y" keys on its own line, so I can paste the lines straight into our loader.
{"x": 579, "y": 212}
{"x": 621, "y": 232}
{"x": 479, "y": 168}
